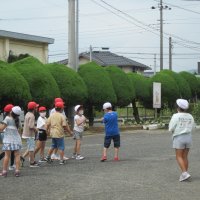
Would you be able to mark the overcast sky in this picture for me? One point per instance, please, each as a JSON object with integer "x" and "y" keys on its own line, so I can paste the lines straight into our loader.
{"x": 132, "y": 31}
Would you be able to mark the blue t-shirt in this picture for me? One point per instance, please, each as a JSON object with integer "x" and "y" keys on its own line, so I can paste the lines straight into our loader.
{"x": 111, "y": 123}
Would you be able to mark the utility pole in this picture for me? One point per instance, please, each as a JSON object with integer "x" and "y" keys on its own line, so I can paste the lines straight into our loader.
{"x": 77, "y": 34}
{"x": 170, "y": 53}
{"x": 161, "y": 8}
{"x": 154, "y": 64}
{"x": 72, "y": 35}
{"x": 161, "y": 35}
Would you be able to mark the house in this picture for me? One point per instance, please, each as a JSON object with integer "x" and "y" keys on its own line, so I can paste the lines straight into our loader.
{"x": 107, "y": 58}
{"x": 19, "y": 43}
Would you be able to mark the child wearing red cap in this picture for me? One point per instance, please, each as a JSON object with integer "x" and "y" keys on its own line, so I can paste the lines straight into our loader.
{"x": 29, "y": 131}
{"x": 42, "y": 135}
{"x": 7, "y": 111}
{"x": 12, "y": 140}
{"x": 57, "y": 125}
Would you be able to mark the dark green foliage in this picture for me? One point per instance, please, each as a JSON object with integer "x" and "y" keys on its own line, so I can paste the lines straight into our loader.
{"x": 192, "y": 81}
{"x": 14, "y": 88}
{"x": 42, "y": 85}
{"x": 169, "y": 88}
{"x": 72, "y": 87}
{"x": 141, "y": 85}
{"x": 124, "y": 90}
{"x": 184, "y": 88}
{"x": 97, "y": 80}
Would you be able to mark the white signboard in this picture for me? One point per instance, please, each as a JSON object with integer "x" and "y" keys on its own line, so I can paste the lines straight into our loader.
{"x": 156, "y": 95}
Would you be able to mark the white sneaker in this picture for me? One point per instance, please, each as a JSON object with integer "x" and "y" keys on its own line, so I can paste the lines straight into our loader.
{"x": 74, "y": 156}
{"x": 79, "y": 157}
{"x": 54, "y": 157}
{"x": 184, "y": 176}
{"x": 11, "y": 168}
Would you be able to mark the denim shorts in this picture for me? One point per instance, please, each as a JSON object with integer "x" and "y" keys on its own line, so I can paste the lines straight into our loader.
{"x": 108, "y": 139}
{"x": 30, "y": 144}
{"x": 77, "y": 135}
{"x": 183, "y": 141}
{"x": 58, "y": 143}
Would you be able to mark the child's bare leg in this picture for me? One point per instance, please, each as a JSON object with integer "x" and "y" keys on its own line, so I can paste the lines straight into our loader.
{"x": 78, "y": 146}
{"x": 61, "y": 154}
{"x": 75, "y": 147}
{"x": 116, "y": 152}
{"x": 185, "y": 157}
{"x": 42, "y": 149}
{"x": 180, "y": 159}
{"x": 17, "y": 160}
{"x": 39, "y": 145}
{"x": 26, "y": 153}
{"x": 105, "y": 152}
{"x": 6, "y": 160}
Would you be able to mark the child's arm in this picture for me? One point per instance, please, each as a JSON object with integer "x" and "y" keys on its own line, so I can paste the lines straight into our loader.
{"x": 80, "y": 121}
{"x": 172, "y": 124}
{"x": 2, "y": 126}
{"x": 67, "y": 128}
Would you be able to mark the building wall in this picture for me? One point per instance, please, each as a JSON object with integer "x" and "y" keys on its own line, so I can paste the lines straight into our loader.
{"x": 38, "y": 50}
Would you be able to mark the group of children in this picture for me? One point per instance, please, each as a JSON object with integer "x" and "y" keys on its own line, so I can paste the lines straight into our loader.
{"x": 181, "y": 126}
{"x": 35, "y": 133}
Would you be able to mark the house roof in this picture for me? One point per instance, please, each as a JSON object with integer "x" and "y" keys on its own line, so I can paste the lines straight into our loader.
{"x": 27, "y": 37}
{"x": 106, "y": 58}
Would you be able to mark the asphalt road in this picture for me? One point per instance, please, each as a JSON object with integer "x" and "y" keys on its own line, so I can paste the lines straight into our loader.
{"x": 147, "y": 170}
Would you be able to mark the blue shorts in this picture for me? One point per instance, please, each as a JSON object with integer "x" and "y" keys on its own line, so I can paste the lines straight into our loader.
{"x": 108, "y": 139}
{"x": 30, "y": 144}
{"x": 58, "y": 143}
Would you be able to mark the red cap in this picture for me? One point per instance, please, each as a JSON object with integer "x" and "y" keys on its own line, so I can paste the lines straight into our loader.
{"x": 59, "y": 104}
{"x": 32, "y": 105}
{"x": 42, "y": 108}
{"x": 58, "y": 100}
{"x": 8, "y": 108}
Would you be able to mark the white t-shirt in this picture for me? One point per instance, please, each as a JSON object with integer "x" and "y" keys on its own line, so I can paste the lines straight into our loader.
{"x": 181, "y": 123}
{"x": 79, "y": 128}
{"x": 41, "y": 122}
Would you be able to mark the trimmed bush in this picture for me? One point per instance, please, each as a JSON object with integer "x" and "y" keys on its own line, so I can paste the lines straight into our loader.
{"x": 43, "y": 86}
{"x": 72, "y": 87}
{"x": 124, "y": 90}
{"x": 14, "y": 88}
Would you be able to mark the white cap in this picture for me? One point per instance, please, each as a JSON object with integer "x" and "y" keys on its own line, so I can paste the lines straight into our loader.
{"x": 77, "y": 107}
{"x": 17, "y": 110}
{"x": 107, "y": 105}
{"x": 182, "y": 103}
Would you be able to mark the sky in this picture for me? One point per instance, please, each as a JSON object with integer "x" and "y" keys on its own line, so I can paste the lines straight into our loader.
{"x": 129, "y": 28}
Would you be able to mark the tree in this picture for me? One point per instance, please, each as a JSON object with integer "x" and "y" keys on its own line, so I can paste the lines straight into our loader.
{"x": 184, "y": 88}
{"x": 72, "y": 87}
{"x": 99, "y": 85}
{"x": 124, "y": 90}
{"x": 14, "y": 88}
{"x": 169, "y": 88}
{"x": 142, "y": 92}
{"x": 192, "y": 81}
{"x": 43, "y": 86}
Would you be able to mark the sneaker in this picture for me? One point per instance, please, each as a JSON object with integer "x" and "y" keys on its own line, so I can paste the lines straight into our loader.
{"x": 42, "y": 160}
{"x": 116, "y": 158}
{"x": 48, "y": 159}
{"x": 62, "y": 162}
{"x": 34, "y": 164}
{"x": 17, "y": 173}
{"x": 79, "y": 157}
{"x": 104, "y": 158}
{"x": 184, "y": 176}
{"x": 11, "y": 168}
{"x": 74, "y": 156}
{"x": 65, "y": 158}
{"x": 3, "y": 174}
{"x": 55, "y": 157}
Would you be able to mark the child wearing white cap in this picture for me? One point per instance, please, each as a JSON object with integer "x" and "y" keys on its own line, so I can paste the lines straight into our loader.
{"x": 181, "y": 125}
{"x": 110, "y": 120}
{"x": 12, "y": 140}
{"x": 79, "y": 122}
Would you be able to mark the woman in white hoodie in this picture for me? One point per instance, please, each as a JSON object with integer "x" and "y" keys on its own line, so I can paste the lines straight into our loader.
{"x": 181, "y": 125}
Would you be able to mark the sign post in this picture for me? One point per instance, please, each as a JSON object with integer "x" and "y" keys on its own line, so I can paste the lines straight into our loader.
{"x": 156, "y": 96}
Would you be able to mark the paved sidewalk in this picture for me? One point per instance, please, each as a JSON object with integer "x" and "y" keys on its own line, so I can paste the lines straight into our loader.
{"x": 147, "y": 171}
